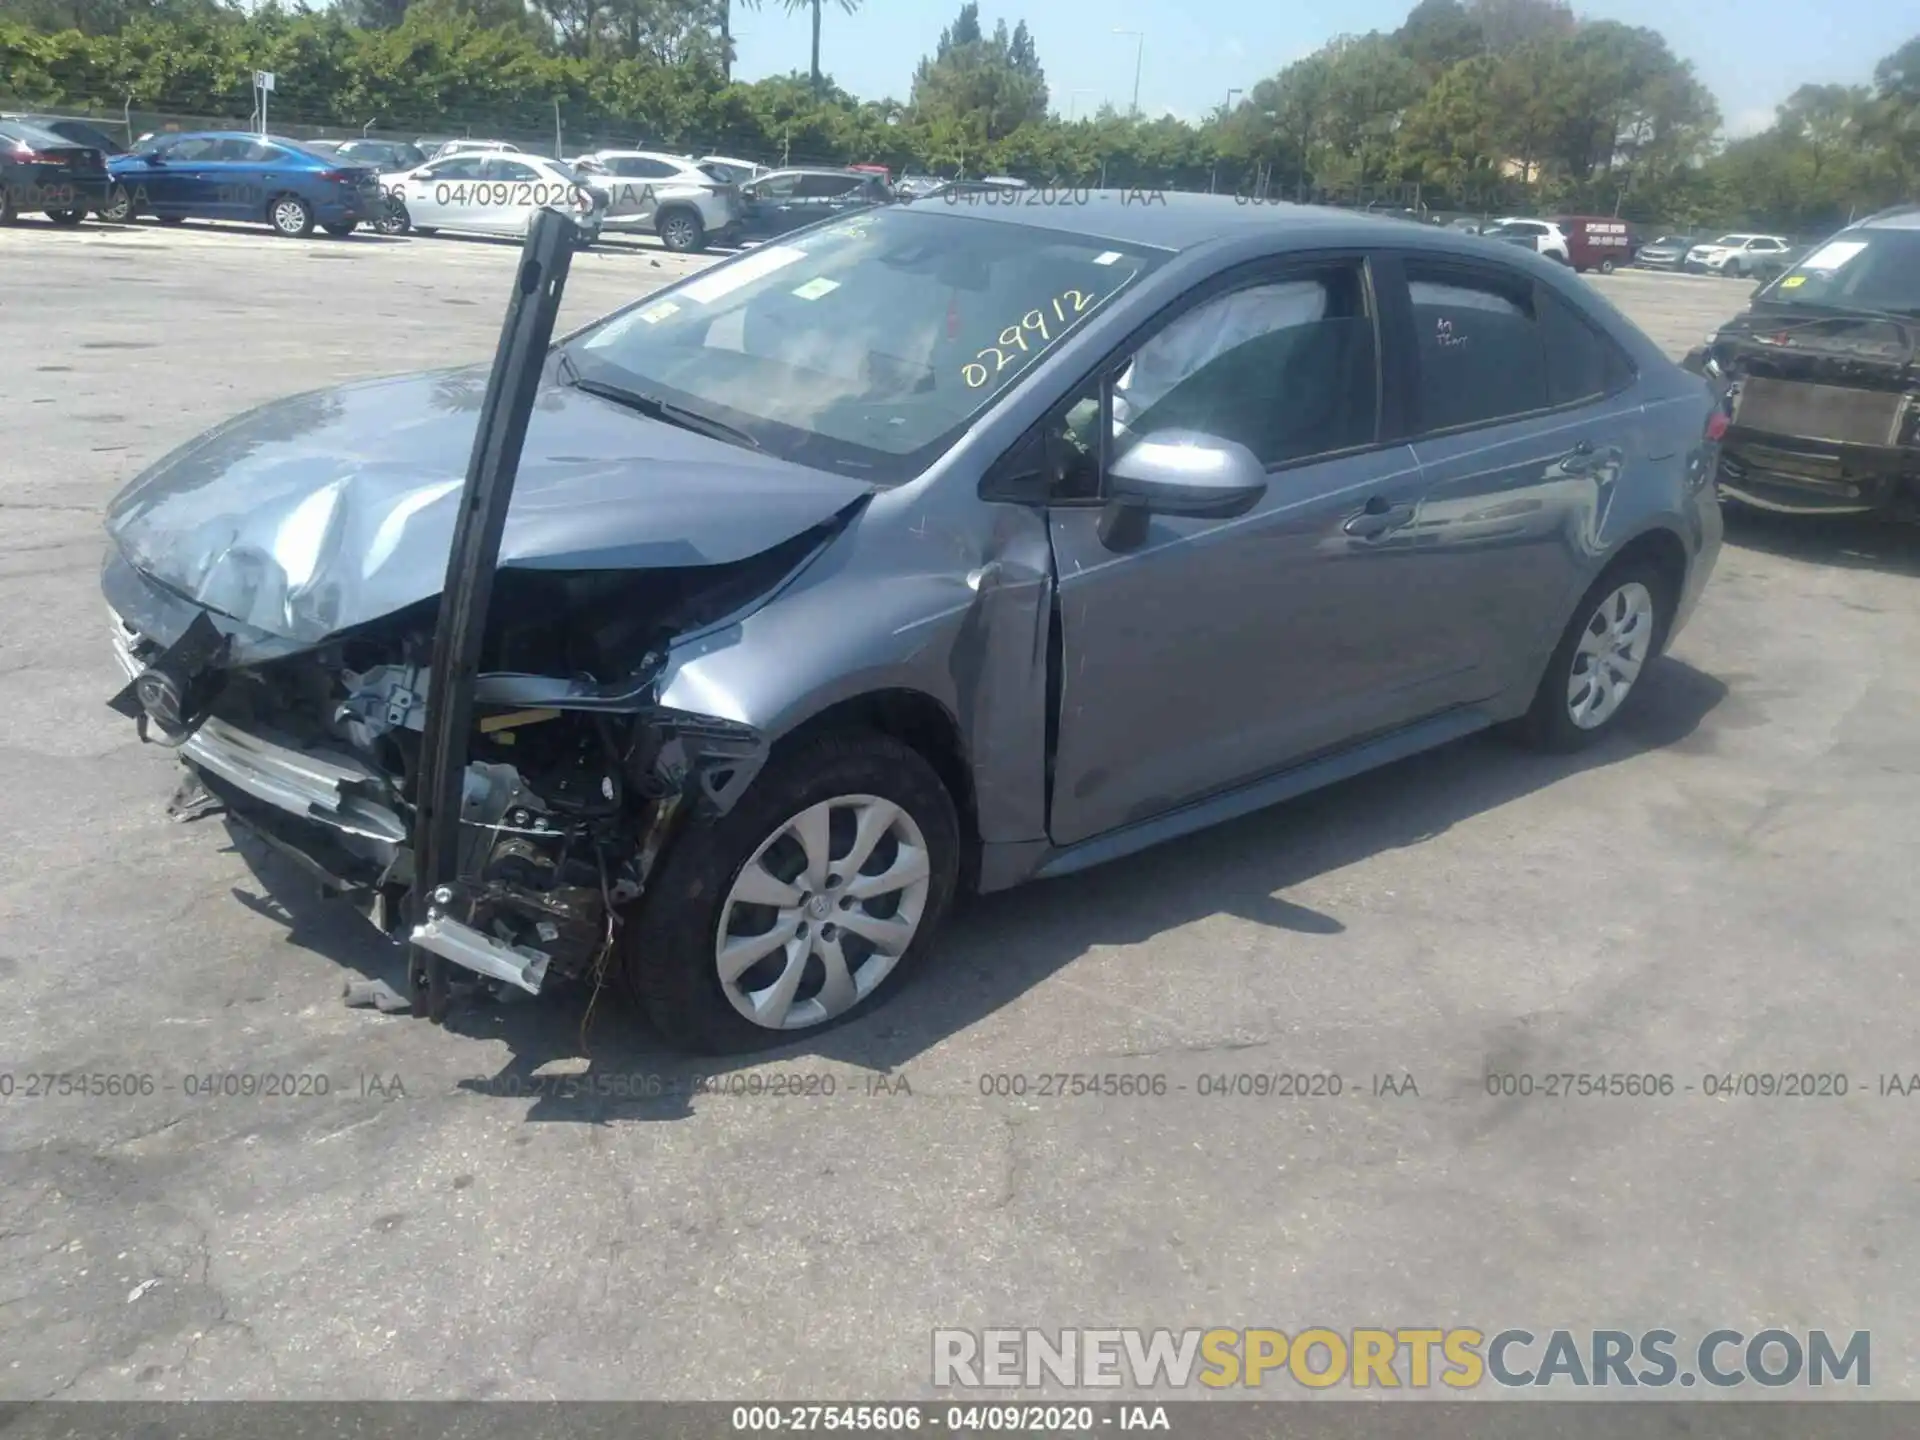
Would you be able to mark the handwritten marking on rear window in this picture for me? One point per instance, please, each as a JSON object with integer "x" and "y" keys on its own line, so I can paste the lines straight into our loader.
{"x": 1063, "y": 308}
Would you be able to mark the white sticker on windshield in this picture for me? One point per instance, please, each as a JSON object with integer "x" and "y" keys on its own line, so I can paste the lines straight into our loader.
{"x": 722, "y": 281}
{"x": 1106, "y": 259}
{"x": 1833, "y": 255}
{"x": 654, "y": 314}
{"x": 816, "y": 287}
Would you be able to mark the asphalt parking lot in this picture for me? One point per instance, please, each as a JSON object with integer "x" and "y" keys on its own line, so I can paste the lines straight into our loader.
{"x": 1725, "y": 889}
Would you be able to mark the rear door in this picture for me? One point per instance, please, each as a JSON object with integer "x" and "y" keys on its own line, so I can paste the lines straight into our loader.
{"x": 821, "y": 196}
{"x": 1523, "y": 419}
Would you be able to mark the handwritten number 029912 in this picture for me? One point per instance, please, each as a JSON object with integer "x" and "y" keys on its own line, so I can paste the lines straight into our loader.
{"x": 1014, "y": 338}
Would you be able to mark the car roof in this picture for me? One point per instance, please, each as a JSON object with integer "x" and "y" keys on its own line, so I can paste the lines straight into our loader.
{"x": 1186, "y": 222}
{"x": 1900, "y": 217}
{"x": 817, "y": 170}
{"x": 666, "y": 155}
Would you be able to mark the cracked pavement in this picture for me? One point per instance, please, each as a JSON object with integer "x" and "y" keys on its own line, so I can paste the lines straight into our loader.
{"x": 1727, "y": 888}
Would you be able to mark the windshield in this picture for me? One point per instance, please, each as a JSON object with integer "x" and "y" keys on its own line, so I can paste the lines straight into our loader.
{"x": 865, "y": 345}
{"x": 1858, "y": 270}
{"x": 1735, "y": 240}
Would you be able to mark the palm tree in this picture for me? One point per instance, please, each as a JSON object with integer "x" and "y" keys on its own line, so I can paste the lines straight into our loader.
{"x": 726, "y": 35}
{"x": 848, "y": 6}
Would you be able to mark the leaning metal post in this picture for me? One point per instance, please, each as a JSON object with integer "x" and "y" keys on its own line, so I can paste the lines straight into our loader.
{"x": 495, "y": 461}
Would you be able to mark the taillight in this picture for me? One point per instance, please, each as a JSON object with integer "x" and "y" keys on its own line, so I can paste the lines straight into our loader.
{"x": 26, "y": 157}
{"x": 1717, "y": 424}
{"x": 336, "y": 177}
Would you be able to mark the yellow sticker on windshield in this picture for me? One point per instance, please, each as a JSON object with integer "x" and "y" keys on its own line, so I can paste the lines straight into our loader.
{"x": 1793, "y": 282}
{"x": 815, "y": 288}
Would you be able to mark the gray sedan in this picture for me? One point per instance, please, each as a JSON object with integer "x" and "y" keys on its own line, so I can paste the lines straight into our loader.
{"x": 929, "y": 550}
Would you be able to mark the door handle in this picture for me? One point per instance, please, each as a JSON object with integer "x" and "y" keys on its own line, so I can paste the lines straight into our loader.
{"x": 1579, "y": 460}
{"x": 1377, "y": 519}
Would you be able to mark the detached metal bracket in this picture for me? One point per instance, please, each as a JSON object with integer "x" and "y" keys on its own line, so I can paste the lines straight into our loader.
{"x": 491, "y": 470}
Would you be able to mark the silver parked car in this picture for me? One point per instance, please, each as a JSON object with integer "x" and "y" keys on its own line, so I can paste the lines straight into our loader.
{"x": 488, "y": 193}
{"x": 921, "y": 551}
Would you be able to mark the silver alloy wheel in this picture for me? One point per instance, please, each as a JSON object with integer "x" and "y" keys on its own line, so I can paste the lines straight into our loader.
{"x": 289, "y": 215}
{"x": 822, "y": 912}
{"x": 679, "y": 232}
{"x": 1613, "y": 647}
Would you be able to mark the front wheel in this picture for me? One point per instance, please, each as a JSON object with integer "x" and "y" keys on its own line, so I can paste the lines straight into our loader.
{"x": 291, "y": 216}
{"x": 1619, "y": 625}
{"x": 119, "y": 207}
{"x": 803, "y": 906}
{"x": 1606, "y": 267}
{"x": 682, "y": 232}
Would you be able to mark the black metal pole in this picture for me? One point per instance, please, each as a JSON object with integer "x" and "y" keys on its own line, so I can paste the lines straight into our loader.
{"x": 495, "y": 461}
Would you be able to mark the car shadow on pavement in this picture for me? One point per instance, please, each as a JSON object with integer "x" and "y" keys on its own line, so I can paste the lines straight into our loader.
{"x": 1854, "y": 542}
{"x": 1000, "y": 946}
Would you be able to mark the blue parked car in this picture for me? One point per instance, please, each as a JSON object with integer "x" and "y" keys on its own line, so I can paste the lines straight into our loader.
{"x": 232, "y": 175}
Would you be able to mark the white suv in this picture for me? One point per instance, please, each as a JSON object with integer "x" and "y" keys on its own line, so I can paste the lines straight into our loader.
{"x": 674, "y": 197}
{"x": 1542, "y": 236}
{"x": 1737, "y": 255}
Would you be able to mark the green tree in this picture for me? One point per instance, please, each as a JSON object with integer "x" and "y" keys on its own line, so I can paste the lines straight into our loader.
{"x": 981, "y": 88}
{"x": 847, "y": 7}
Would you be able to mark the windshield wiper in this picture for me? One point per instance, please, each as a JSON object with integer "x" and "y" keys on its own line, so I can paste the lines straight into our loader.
{"x": 654, "y": 408}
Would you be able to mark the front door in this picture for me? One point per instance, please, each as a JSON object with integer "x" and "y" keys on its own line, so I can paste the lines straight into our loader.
{"x": 442, "y": 194}
{"x": 1215, "y": 651}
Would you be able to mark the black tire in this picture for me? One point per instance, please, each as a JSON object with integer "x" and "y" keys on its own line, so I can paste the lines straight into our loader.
{"x": 290, "y": 216}
{"x": 667, "y": 959}
{"x": 681, "y": 230}
{"x": 68, "y": 218}
{"x": 9, "y": 209}
{"x": 1606, "y": 267}
{"x": 426, "y": 230}
{"x": 119, "y": 206}
{"x": 341, "y": 231}
{"x": 1548, "y": 724}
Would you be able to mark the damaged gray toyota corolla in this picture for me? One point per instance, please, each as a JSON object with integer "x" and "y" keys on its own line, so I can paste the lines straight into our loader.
{"x": 926, "y": 551}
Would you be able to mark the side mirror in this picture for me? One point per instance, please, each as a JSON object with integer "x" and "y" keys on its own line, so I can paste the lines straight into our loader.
{"x": 1187, "y": 472}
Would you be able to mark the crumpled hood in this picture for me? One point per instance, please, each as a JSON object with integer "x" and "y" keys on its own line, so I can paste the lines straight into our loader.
{"x": 323, "y": 511}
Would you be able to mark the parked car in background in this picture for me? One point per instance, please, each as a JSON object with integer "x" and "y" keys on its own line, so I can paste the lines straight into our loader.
{"x": 788, "y": 199}
{"x": 489, "y": 193}
{"x": 689, "y": 204}
{"x": 49, "y": 174}
{"x": 1737, "y": 256}
{"x": 463, "y": 147}
{"x": 1664, "y": 252}
{"x": 1466, "y": 225}
{"x": 386, "y": 156}
{"x": 234, "y": 175}
{"x": 789, "y": 538}
{"x": 732, "y": 170}
{"x": 1766, "y": 267}
{"x": 74, "y": 131}
{"x": 955, "y": 192}
{"x": 1819, "y": 375}
{"x": 1543, "y": 237}
{"x": 1595, "y": 242}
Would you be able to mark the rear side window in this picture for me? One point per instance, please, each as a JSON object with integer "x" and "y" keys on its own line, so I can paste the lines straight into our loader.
{"x": 1481, "y": 354}
{"x": 828, "y": 187}
{"x": 1582, "y": 363}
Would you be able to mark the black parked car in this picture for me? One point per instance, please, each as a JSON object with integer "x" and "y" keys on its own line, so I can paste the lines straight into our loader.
{"x": 787, "y": 199}
{"x": 43, "y": 171}
{"x": 79, "y": 132}
{"x": 1818, "y": 375}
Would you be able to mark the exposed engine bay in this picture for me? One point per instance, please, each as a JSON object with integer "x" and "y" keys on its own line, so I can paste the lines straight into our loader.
{"x": 1823, "y": 409}
{"x": 576, "y": 774}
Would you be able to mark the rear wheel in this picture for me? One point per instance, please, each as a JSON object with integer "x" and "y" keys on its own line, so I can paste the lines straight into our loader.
{"x": 291, "y": 216}
{"x": 1606, "y": 267}
{"x": 1618, "y": 627}
{"x": 394, "y": 220}
{"x": 681, "y": 231}
{"x": 803, "y": 906}
{"x": 9, "y": 211}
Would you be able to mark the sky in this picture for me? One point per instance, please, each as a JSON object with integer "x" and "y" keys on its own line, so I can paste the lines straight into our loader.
{"x": 1751, "y": 53}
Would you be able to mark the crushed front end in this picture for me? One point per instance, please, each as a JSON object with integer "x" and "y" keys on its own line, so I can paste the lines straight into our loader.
{"x": 576, "y": 775}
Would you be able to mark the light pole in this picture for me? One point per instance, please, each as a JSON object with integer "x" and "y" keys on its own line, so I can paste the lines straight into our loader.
{"x": 1228, "y": 108}
{"x": 1073, "y": 102}
{"x": 1139, "y": 50}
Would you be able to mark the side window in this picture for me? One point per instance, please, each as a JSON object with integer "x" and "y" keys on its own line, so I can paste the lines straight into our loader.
{"x": 457, "y": 167}
{"x": 496, "y": 168}
{"x": 1582, "y": 363}
{"x": 256, "y": 152}
{"x": 191, "y": 151}
{"x": 1478, "y": 343}
{"x": 632, "y": 168}
{"x": 780, "y": 188}
{"x": 827, "y": 187}
{"x": 1286, "y": 367}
